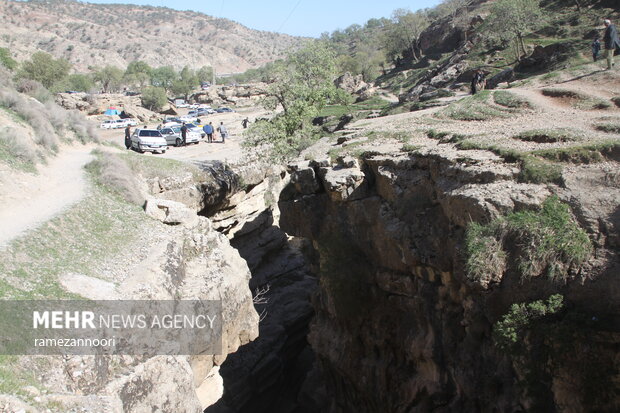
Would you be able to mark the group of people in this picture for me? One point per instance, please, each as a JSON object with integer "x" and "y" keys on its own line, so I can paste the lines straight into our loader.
{"x": 209, "y": 130}
{"x": 611, "y": 43}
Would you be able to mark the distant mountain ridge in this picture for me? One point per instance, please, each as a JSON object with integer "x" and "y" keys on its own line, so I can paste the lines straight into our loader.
{"x": 89, "y": 35}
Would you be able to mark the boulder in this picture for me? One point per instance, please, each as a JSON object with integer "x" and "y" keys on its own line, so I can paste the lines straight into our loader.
{"x": 547, "y": 57}
{"x": 505, "y": 75}
{"x": 344, "y": 183}
{"x": 350, "y": 83}
{"x": 171, "y": 212}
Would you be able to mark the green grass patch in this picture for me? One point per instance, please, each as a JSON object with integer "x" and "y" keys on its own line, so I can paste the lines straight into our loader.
{"x": 409, "y": 148}
{"x": 476, "y": 108}
{"x": 152, "y": 166}
{"x": 538, "y": 171}
{"x": 510, "y": 100}
{"x": 533, "y": 170}
{"x": 577, "y": 99}
{"x": 608, "y": 127}
{"x": 584, "y": 154}
{"x": 547, "y": 241}
{"x": 548, "y": 135}
{"x": 372, "y": 104}
{"x": 99, "y": 227}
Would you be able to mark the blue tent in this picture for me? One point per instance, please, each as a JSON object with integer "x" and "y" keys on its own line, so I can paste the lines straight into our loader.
{"x": 112, "y": 112}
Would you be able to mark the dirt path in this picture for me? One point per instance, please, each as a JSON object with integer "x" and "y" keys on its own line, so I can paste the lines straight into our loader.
{"x": 29, "y": 200}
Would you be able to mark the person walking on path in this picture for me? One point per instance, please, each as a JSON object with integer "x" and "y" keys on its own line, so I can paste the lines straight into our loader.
{"x": 611, "y": 42}
{"x": 183, "y": 134}
{"x": 596, "y": 48}
{"x": 245, "y": 123}
{"x": 128, "y": 137}
{"x": 208, "y": 129}
{"x": 223, "y": 132}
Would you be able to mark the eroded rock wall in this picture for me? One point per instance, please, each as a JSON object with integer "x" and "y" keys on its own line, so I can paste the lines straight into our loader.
{"x": 399, "y": 327}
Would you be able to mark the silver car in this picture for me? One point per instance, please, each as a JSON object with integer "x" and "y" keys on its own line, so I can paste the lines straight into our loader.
{"x": 148, "y": 140}
{"x": 172, "y": 135}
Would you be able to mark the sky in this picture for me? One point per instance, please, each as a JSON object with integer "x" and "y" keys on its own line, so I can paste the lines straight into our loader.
{"x": 295, "y": 17}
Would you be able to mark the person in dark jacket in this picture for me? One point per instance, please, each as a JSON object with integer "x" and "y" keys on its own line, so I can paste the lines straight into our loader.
{"x": 128, "y": 137}
{"x": 477, "y": 82}
{"x": 596, "y": 48}
{"x": 183, "y": 134}
{"x": 611, "y": 43}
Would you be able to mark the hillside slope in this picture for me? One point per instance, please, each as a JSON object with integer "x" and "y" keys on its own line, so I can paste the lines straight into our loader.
{"x": 99, "y": 34}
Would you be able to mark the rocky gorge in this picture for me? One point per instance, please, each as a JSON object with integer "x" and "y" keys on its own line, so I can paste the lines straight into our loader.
{"x": 368, "y": 258}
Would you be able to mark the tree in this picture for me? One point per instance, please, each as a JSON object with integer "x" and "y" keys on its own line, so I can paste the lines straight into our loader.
{"x": 301, "y": 85}
{"x": 138, "y": 73}
{"x": 43, "y": 68}
{"x": 185, "y": 84}
{"x": 154, "y": 98}
{"x": 110, "y": 78}
{"x": 6, "y": 60}
{"x": 77, "y": 82}
{"x": 511, "y": 20}
{"x": 163, "y": 77}
{"x": 402, "y": 38}
{"x": 205, "y": 74}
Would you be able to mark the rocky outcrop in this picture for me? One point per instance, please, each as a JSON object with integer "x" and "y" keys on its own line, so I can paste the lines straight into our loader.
{"x": 399, "y": 324}
{"x": 238, "y": 95}
{"x": 194, "y": 262}
{"x": 355, "y": 85}
{"x": 241, "y": 202}
{"x": 546, "y": 57}
{"x": 439, "y": 76}
{"x": 96, "y": 104}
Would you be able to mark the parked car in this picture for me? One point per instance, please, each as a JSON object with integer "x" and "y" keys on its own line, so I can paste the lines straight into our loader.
{"x": 148, "y": 140}
{"x": 182, "y": 105}
{"x": 188, "y": 118}
{"x": 108, "y": 124}
{"x": 173, "y": 135}
{"x": 196, "y": 129}
{"x": 222, "y": 110}
{"x": 130, "y": 122}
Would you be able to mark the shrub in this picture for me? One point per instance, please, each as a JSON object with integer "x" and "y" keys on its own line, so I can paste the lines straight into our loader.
{"x": 15, "y": 151}
{"x": 510, "y": 329}
{"x": 113, "y": 173}
{"x": 486, "y": 260}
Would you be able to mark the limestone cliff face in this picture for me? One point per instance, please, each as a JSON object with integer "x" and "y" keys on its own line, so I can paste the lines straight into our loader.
{"x": 399, "y": 326}
{"x": 189, "y": 260}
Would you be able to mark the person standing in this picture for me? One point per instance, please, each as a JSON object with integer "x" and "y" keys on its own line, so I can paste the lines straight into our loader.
{"x": 128, "y": 137}
{"x": 596, "y": 48}
{"x": 611, "y": 42}
{"x": 208, "y": 129}
{"x": 245, "y": 123}
{"x": 183, "y": 134}
{"x": 223, "y": 132}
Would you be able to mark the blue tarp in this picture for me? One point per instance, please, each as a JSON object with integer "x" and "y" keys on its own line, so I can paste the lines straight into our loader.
{"x": 112, "y": 112}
